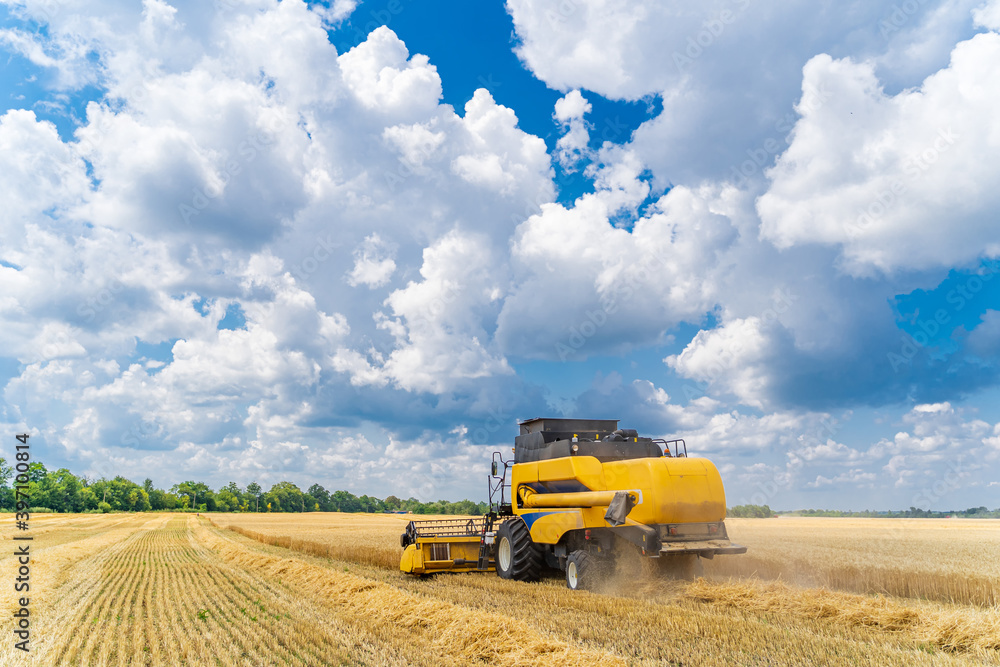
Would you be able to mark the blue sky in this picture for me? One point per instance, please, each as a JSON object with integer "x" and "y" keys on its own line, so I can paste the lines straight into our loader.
{"x": 354, "y": 242}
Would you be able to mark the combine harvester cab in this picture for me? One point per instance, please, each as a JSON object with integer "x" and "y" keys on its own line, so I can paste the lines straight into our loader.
{"x": 582, "y": 494}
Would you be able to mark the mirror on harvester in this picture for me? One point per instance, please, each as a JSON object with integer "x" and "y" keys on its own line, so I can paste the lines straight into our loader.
{"x": 494, "y": 468}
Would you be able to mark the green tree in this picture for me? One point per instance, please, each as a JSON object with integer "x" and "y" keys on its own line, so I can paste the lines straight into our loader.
{"x": 88, "y": 498}
{"x": 36, "y": 472}
{"x": 254, "y": 490}
{"x": 195, "y": 491}
{"x": 226, "y": 501}
{"x": 6, "y": 492}
{"x": 237, "y": 496}
{"x": 158, "y": 500}
{"x": 61, "y": 491}
{"x": 344, "y": 501}
{"x": 6, "y": 472}
{"x": 322, "y": 498}
{"x": 285, "y": 497}
{"x": 369, "y": 504}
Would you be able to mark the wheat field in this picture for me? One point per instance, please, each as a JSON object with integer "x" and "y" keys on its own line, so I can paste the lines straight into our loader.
{"x": 950, "y": 560}
{"x": 324, "y": 589}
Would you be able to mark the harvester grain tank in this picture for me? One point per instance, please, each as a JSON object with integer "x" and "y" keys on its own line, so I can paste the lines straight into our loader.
{"x": 579, "y": 495}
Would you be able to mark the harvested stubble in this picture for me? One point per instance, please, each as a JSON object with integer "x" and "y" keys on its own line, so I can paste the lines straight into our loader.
{"x": 442, "y": 631}
{"x": 948, "y": 560}
{"x": 168, "y": 589}
{"x": 655, "y": 623}
{"x": 155, "y": 596}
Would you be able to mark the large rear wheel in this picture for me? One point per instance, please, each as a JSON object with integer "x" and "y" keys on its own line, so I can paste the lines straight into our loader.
{"x": 517, "y": 556}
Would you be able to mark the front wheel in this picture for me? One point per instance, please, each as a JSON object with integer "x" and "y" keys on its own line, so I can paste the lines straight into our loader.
{"x": 517, "y": 556}
{"x": 581, "y": 571}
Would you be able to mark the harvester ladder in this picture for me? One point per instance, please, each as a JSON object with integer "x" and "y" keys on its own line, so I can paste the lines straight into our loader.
{"x": 484, "y": 548}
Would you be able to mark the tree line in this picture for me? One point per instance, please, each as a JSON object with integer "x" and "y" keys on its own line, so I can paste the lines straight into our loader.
{"x": 62, "y": 491}
{"x": 981, "y": 512}
{"x": 750, "y": 512}
{"x": 763, "y": 511}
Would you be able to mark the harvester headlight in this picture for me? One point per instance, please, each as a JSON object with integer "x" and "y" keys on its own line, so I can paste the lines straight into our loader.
{"x": 575, "y": 448}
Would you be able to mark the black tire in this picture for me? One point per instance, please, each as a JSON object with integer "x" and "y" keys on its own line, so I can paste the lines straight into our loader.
{"x": 581, "y": 571}
{"x": 409, "y": 536}
{"x": 517, "y": 557}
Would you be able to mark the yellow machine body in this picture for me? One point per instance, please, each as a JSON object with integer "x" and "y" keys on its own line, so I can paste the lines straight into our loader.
{"x": 578, "y": 494}
{"x": 558, "y": 495}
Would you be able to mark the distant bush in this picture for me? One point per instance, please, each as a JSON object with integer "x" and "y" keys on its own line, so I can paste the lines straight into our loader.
{"x": 104, "y": 507}
{"x": 41, "y": 510}
{"x": 750, "y": 512}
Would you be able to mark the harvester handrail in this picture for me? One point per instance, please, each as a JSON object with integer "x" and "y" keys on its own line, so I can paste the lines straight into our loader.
{"x": 498, "y": 484}
{"x": 677, "y": 443}
{"x": 469, "y": 527}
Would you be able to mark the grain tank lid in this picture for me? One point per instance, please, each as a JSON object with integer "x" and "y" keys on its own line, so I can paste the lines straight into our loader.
{"x": 539, "y": 424}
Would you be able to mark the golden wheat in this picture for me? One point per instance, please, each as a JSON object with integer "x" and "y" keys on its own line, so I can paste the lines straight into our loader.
{"x": 360, "y": 538}
{"x": 950, "y": 560}
{"x": 169, "y": 589}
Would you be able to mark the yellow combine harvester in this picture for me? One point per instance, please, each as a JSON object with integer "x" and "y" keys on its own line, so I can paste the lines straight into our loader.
{"x": 582, "y": 494}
